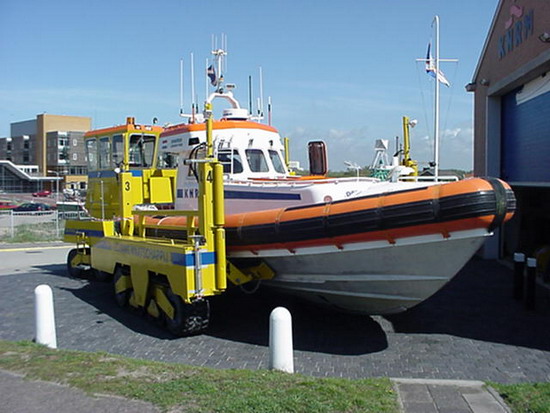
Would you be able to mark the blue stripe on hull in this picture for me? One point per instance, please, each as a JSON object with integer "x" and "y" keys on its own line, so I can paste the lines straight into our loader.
{"x": 260, "y": 195}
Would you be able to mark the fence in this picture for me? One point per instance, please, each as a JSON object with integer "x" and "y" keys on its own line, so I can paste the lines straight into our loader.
{"x": 35, "y": 225}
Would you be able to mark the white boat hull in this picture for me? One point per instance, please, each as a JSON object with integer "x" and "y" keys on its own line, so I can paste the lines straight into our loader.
{"x": 374, "y": 277}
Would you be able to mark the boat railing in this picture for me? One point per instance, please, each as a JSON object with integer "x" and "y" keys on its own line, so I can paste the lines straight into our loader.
{"x": 293, "y": 181}
{"x": 446, "y": 178}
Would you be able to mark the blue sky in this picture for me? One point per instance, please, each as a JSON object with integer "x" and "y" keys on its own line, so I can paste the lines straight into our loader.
{"x": 342, "y": 71}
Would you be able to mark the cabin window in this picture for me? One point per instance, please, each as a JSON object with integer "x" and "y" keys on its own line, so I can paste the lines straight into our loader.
{"x": 118, "y": 150}
{"x": 276, "y": 161}
{"x": 141, "y": 150}
{"x": 91, "y": 154}
{"x": 167, "y": 160}
{"x": 256, "y": 160}
{"x": 104, "y": 153}
{"x": 231, "y": 161}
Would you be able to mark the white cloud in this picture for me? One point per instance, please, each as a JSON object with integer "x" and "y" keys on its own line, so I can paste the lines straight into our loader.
{"x": 455, "y": 148}
{"x": 357, "y": 145}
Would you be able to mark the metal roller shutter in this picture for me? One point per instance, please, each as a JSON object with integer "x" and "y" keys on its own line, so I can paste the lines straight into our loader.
{"x": 526, "y": 137}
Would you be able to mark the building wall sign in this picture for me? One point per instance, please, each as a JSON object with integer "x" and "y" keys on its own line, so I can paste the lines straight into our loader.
{"x": 518, "y": 28}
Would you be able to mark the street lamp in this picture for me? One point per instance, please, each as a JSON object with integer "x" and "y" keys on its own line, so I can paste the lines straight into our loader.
{"x": 56, "y": 185}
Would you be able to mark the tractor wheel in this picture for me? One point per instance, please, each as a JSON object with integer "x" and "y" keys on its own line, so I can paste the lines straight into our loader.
{"x": 121, "y": 297}
{"x": 188, "y": 319}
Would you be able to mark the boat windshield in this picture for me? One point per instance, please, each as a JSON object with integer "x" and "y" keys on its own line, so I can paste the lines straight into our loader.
{"x": 256, "y": 160}
{"x": 231, "y": 161}
{"x": 276, "y": 161}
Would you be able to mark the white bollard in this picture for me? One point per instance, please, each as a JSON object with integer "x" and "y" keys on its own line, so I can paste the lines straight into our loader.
{"x": 280, "y": 341}
{"x": 44, "y": 316}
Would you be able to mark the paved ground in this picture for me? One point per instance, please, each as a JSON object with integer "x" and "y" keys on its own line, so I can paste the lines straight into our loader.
{"x": 471, "y": 330}
{"x": 23, "y": 396}
{"x": 415, "y": 396}
{"x": 448, "y": 396}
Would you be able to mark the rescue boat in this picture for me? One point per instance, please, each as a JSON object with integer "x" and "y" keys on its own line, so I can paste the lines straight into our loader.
{"x": 375, "y": 254}
{"x": 365, "y": 245}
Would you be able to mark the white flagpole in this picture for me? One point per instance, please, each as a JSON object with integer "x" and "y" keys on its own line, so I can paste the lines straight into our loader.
{"x": 436, "y": 104}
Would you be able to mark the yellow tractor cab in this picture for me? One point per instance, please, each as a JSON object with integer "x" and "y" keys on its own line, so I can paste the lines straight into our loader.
{"x": 126, "y": 152}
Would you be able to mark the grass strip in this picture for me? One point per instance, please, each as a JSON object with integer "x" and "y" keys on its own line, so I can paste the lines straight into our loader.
{"x": 197, "y": 389}
{"x": 34, "y": 233}
{"x": 525, "y": 397}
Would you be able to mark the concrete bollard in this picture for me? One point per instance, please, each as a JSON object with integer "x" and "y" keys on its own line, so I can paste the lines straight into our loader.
{"x": 280, "y": 341}
{"x": 530, "y": 283}
{"x": 44, "y": 316}
{"x": 519, "y": 267}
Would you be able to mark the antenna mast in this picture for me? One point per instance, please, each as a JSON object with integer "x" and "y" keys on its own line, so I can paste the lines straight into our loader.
{"x": 436, "y": 104}
{"x": 193, "y": 103}
{"x": 439, "y": 77}
{"x": 250, "y": 94}
{"x": 181, "y": 86}
{"x": 261, "y": 106}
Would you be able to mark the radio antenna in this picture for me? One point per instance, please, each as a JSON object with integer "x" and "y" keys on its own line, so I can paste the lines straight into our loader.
{"x": 250, "y": 95}
{"x": 224, "y": 47}
{"x": 269, "y": 110}
{"x": 181, "y": 86}
{"x": 193, "y": 87}
{"x": 261, "y": 108}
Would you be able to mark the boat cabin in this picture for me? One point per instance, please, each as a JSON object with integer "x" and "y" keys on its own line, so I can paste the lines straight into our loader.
{"x": 245, "y": 148}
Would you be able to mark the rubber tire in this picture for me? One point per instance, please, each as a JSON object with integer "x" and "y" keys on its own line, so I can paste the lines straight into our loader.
{"x": 123, "y": 297}
{"x": 73, "y": 271}
{"x": 189, "y": 319}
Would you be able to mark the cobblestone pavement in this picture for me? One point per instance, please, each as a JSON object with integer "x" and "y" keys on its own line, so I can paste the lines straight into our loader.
{"x": 472, "y": 329}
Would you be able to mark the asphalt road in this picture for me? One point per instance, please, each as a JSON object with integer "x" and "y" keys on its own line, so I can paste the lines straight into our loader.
{"x": 472, "y": 329}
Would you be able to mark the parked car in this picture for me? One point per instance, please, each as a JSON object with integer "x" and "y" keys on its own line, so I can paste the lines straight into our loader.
{"x": 7, "y": 205}
{"x": 42, "y": 194}
{"x": 33, "y": 206}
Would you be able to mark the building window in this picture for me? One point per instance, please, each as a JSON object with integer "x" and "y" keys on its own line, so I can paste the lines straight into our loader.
{"x": 75, "y": 157}
{"x": 63, "y": 154}
{"x": 75, "y": 142}
{"x": 91, "y": 154}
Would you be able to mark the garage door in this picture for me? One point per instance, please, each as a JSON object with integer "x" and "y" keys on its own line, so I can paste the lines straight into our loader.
{"x": 526, "y": 133}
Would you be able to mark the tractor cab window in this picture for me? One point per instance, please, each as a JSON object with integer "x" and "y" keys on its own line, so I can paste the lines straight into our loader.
{"x": 118, "y": 150}
{"x": 256, "y": 160}
{"x": 141, "y": 150}
{"x": 104, "y": 153}
{"x": 91, "y": 154}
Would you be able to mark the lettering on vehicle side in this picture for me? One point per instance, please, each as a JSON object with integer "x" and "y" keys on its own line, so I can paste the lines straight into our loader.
{"x": 191, "y": 193}
{"x": 137, "y": 251}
